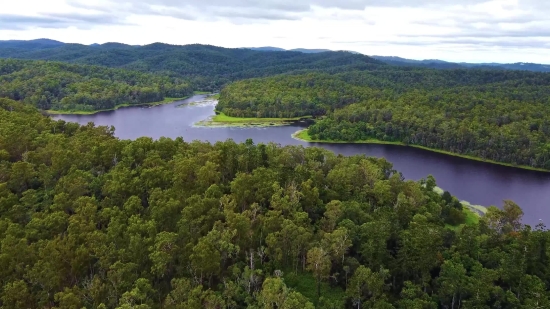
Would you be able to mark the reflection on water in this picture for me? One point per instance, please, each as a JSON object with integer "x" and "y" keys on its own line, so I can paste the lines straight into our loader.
{"x": 476, "y": 182}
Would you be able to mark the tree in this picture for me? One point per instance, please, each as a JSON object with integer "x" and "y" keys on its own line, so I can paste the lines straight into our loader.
{"x": 366, "y": 285}
{"x": 16, "y": 295}
{"x": 453, "y": 282}
{"x": 339, "y": 243}
{"x": 412, "y": 297}
{"x": 318, "y": 262}
{"x": 418, "y": 254}
{"x": 275, "y": 294}
{"x": 163, "y": 253}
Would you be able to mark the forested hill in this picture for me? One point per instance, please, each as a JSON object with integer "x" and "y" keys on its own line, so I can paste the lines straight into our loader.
{"x": 90, "y": 221}
{"x": 439, "y": 64}
{"x": 209, "y": 67}
{"x": 70, "y": 87}
{"x": 502, "y": 116}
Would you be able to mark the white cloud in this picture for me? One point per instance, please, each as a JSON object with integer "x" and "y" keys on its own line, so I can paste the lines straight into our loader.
{"x": 467, "y": 30}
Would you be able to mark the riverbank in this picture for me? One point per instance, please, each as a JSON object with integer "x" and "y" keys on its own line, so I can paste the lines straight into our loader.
{"x": 303, "y": 135}
{"x": 222, "y": 120}
{"x": 477, "y": 210}
{"x": 151, "y": 104}
{"x": 473, "y": 213}
{"x": 471, "y": 219}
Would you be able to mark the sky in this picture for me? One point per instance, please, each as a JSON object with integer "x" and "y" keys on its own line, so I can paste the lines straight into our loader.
{"x": 453, "y": 30}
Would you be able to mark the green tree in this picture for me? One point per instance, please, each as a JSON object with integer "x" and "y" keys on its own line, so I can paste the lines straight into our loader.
{"x": 318, "y": 262}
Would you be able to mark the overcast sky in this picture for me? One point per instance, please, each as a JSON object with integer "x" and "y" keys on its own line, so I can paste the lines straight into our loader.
{"x": 454, "y": 30}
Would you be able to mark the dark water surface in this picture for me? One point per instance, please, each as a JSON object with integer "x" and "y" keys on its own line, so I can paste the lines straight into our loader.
{"x": 477, "y": 182}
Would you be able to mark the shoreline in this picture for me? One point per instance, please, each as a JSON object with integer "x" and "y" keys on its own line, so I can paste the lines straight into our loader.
{"x": 303, "y": 136}
{"x": 151, "y": 104}
{"x": 222, "y": 120}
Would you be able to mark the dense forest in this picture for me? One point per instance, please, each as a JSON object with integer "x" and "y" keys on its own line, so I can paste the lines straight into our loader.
{"x": 91, "y": 221}
{"x": 207, "y": 67}
{"x": 69, "y": 87}
{"x": 497, "y": 115}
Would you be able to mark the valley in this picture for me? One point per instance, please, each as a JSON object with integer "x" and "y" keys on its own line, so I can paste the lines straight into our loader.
{"x": 170, "y": 177}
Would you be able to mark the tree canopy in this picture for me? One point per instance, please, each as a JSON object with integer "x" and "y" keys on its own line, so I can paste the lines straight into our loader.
{"x": 497, "y": 115}
{"x": 69, "y": 87}
{"x": 91, "y": 221}
{"x": 207, "y": 67}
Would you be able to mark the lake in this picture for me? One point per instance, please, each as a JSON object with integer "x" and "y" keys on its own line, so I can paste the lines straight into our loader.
{"x": 476, "y": 182}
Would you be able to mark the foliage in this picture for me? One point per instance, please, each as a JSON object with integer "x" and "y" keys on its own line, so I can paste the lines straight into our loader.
{"x": 88, "y": 220}
{"x": 207, "y": 67}
{"x": 502, "y": 116}
{"x": 69, "y": 87}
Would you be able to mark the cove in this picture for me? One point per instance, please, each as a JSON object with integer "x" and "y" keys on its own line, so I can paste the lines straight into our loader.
{"x": 477, "y": 182}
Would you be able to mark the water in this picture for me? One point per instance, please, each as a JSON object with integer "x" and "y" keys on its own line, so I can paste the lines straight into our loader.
{"x": 477, "y": 182}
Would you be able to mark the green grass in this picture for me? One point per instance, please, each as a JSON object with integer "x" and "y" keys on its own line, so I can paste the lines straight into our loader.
{"x": 306, "y": 284}
{"x": 472, "y": 218}
{"x": 201, "y": 92}
{"x": 71, "y": 112}
{"x": 304, "y": 136}
{"x": 223, "y": 118}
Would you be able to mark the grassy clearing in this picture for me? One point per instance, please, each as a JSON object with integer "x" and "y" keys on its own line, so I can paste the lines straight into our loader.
{"x": 303, "y": 135}
{"x": 201, "y": 92}
{"x": 221, "y": 117}
{"x": 306, "y": 284}
{"x": 69, "y": 112}
{"x": 472, "y": 218}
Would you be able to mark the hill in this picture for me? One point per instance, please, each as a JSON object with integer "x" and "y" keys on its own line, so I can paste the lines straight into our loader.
{"x": 208, "y": 67}
{"x": 266, "y": 48}
{"x": 19, "y": 45}
{"x": 440, "y": 64}
{"x": 502, "y": 116}
{"x": 83, "y": 88}
{"x": 211, "y": 67}
{"x": 310, "y": 51}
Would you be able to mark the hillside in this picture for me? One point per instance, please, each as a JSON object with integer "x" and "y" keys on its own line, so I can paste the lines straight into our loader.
{"x": 439, "y": 64}
{"x": 208, "y": 67}
{"x": 70, "y": 87}
{"x": 503, "y": 116}
{"x": 24, "y": 46}
{"x": 91, "y": 221}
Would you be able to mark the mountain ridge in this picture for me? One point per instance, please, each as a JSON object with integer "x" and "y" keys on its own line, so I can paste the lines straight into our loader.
{"x": 47, "y": 49}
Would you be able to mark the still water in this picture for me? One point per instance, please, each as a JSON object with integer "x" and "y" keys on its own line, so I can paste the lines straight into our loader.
{"x": 477, "y": 182}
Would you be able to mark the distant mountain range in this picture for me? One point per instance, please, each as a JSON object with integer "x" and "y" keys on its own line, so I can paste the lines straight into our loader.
{"x": 31, "y": 45}
{"x": 301, "y": 50}
{"x": 440, "y": 64}
{"x": 207, "y": 67}
{"x": 430, "y": 63}
{"x": 47, "y": 49}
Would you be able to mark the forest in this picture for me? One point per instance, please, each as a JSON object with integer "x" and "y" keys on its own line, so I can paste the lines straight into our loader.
{"x": 496, "y": 115}
{"x": 91, "y": 221}
{"x": 207, "y": 67}
{"x": 68, "y": 87}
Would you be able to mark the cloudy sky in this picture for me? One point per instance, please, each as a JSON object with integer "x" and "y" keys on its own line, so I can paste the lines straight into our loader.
{"x": 454, "y": 30}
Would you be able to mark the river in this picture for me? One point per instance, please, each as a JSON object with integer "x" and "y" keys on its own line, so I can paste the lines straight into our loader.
{"x": 476, "y": 182}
